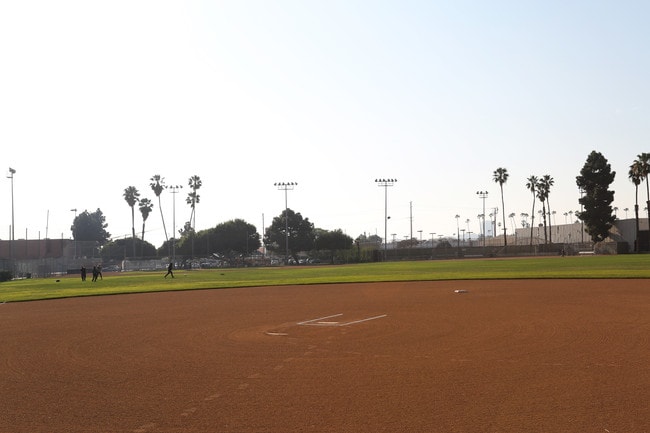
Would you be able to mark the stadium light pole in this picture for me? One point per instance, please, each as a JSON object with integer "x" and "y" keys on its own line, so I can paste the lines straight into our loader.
{"x": 385, "y": 183}
{"x": 286, "y": 186}
{"x": 483, "y": 195}
{"x": 174, "y": 190}
{"x": 11, "y": 243}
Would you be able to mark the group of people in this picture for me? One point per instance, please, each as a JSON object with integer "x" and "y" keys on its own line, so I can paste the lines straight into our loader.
{"x": 97, "y": 273}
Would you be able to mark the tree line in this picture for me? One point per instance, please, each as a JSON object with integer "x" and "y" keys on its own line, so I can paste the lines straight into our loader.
{"x": 288, "y": 234}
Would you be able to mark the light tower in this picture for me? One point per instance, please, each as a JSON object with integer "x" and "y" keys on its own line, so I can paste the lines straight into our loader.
{"x": 174, "y": 190}
{"x": 286, "y": 186}
{"x": 385, "y": 183}
{"x": 483, "y": 195}
{"x": 13, "y": 225}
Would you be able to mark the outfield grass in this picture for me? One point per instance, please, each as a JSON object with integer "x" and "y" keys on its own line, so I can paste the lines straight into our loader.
{"x": 618, "y": 266}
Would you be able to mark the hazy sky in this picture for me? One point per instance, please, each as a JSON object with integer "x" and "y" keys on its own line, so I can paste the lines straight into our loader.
{"x": 99, "y": 96}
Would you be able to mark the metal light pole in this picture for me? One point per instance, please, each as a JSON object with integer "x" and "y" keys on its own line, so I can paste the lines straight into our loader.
{"x": 385, "y": 183}
{"x": 13, "y": 225}
{"x": 286, "y": 186}
{"x": 174, "y": 190}
{"x": 483, "y": 195}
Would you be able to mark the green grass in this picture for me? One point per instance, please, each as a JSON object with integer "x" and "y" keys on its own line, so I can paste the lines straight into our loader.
{"x": 619, "y": 266}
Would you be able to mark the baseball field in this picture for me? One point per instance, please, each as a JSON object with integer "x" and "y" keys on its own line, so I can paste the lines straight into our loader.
{"x": 522, "y": 345}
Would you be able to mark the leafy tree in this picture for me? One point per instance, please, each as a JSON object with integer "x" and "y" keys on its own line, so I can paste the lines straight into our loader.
{"x": 145, "y": 209}
{"x": 636, "y": 176}
{"x": 116, "y": 250}
{"x": 131, "y": 196}
{"x": 500, "y": 176}
{"x": 595, "y": 178}
{"x": 90, "y": 227}
{"x": 233, "y": 239}
{"x": 531, "y": 185}
{"x": 333, "y": 241}
{"x": 157, "y": 186}
{"x": 372, "y": 239}
{"x": 300, "y": 234}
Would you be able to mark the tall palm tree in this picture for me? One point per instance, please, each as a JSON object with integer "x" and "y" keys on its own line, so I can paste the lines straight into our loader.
{"x": 157, "y": 186}
{"x": 643, "y": 160}
{"x": 193, "y": 198}
{"x": 635, "y": 175}
{"x": 531, "y": 184}
{"x": 500, "y": 176}
{"x": 541, "y": 196}
{"x": 548, "y": 182}
{"x": 145, "y": 209}
{"x": 131, "y": 195}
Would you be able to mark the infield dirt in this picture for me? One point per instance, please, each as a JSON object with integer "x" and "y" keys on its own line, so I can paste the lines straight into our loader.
{"x": 506, "y": 356}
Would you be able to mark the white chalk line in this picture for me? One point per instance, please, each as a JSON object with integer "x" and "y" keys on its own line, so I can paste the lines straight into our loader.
{"x": 307, "y": 322}
{"x": 363, "y": 320}
{"x": 321, "y": 321}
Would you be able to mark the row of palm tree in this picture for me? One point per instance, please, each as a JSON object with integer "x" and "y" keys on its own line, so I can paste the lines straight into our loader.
{"x": 157, "y": 184}
{"x": 541, "y": 189}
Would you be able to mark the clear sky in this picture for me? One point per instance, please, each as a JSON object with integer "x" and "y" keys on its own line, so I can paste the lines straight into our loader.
{"x": 99, "y": 96}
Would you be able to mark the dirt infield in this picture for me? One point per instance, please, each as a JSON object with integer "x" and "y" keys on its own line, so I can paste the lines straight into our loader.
{"x": 506, "y": 356}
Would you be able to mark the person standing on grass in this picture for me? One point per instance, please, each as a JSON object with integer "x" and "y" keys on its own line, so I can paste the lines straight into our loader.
{"x": 94, "y": 273}
{"x": 169, "y": 270}
{"x": 83, "y": 273}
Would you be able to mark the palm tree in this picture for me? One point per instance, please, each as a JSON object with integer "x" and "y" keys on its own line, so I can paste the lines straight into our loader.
{"x": 548, "y": 183}
{"x": 158, "y": 185}
{"x": 541, "y": 196}
{"x": 193, "y": 198}
{"x": 531, "y": 184}
{"x": 131, "y": 196}
{"x": 500, "y": 176}
{"x": 145, "y": 209}
{"x": 644, "y": 163}
{"x": 635, "y": 175}
{"x": 513, "y": 222}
